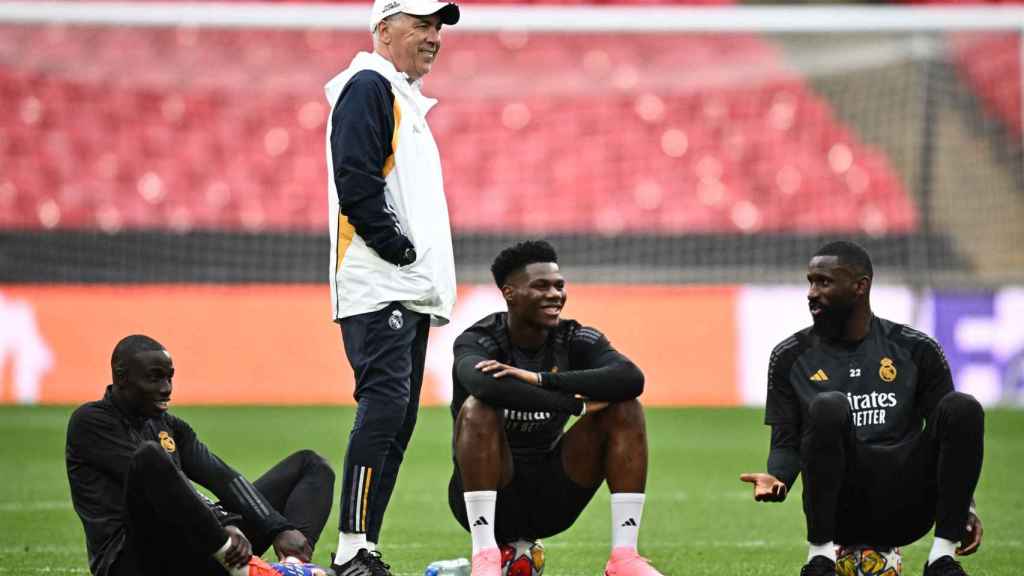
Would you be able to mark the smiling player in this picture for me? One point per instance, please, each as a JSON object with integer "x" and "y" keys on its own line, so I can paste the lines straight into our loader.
{"x": 865, "y": 410}
{"x": 518, "y": 376}
{"x": 131, "y": 465}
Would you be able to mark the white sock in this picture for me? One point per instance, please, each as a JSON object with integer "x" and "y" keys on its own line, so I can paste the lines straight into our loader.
{"x": 828, "y": 550}
{"x": 942, "y": 547}
{"x": 348, "y": 545}
{"x": 480, "y": 513}
{"x": 627, "y": 511}
{"x": 371, "y": 546}
{"x": 219, "y": 556}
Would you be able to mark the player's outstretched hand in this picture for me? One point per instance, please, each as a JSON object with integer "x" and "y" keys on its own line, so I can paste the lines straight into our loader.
{"x": 595, "y": 406}
{"x": 240, "y": 551}
{"x": 499, "y": 370}
{"x": 293, "y": 543}
{"x": 767, "y": 488}
{"x": 972, "y": 539}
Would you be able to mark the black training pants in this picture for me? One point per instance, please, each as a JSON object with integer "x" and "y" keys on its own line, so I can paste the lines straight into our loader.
{"x": 890, "y": 495}
{"x": 171, "y": 529}
{"x": 387, "y": 350}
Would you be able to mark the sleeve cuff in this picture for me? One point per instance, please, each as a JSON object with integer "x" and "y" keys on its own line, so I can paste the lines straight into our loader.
{"x": 548, "y": 380}
{"x": 276, "y": 526}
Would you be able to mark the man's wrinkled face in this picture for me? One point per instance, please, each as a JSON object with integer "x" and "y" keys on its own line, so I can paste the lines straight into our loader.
{"x": 413, "y": 42}
{"x": 536, "y": 294}
{"x": 832, "y": 293}
{"x": 145, "y": 384}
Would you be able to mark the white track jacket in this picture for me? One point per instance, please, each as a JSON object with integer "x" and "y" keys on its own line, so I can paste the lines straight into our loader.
{"x": 385, "y": 190}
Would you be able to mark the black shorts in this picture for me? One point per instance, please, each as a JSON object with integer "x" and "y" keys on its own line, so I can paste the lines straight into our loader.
{"x": 541, "y": 500}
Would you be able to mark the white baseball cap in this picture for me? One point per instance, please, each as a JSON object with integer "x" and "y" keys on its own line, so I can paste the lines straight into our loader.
{"x": 448, "y": 11}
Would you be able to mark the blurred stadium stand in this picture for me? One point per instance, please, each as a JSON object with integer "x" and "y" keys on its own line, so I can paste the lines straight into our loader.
{"x": 990, "y": 64}
{"x": 196, "y": 154}
{"x": 243, "y": 147}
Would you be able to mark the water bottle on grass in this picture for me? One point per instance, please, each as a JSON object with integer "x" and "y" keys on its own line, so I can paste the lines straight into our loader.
{"x": 456, "y": 567}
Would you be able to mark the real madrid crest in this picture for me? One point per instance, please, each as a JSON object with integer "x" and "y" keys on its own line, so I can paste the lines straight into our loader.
{"x": 887, "y": 371}
{"x": 396, "y": 321}
{"x": 166, "y": 441}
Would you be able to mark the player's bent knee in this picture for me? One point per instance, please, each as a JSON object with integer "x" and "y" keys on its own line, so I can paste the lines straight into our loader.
{"x": 315, "y": 463}
{"x": 829, "y": 408}
{"x": 961, "y": 402}
{"x": 477, "y": 416}
{"x": 962, "y": 407}
{"x": 151, "y": 456}
{"x": 628, "y": 413}
{"x": 306, "y": 455}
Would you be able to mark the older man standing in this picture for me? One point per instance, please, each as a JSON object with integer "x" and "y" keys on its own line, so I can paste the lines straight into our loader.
{"x": 392, "y": 270}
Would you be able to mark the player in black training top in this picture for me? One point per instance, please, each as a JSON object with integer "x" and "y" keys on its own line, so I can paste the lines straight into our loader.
{"x": 865, "y": 410}
{"x": 131, "y": 465}
{"x": 518, "y": 377}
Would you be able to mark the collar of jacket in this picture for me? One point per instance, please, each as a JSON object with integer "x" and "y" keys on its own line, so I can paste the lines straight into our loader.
{"x": 132, "y": 420}
{"x": 399, "y": 80}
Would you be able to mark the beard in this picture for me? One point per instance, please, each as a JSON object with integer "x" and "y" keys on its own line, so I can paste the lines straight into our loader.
{"x": 831, "y": 321}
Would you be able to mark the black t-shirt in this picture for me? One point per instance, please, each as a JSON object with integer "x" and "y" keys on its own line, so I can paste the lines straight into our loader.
{"x": 575, "y": 362}
{"x": 101, "y": 442}
{"x": 893, "y": 380}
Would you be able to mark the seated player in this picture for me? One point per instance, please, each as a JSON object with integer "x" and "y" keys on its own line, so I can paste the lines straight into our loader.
{"x": 131, "y": 465}
{"x": 865, "y": 410}
{"x": 518, "y": 376}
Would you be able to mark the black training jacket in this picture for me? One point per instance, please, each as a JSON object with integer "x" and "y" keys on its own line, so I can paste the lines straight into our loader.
{"x": 893, "y": 380}
{"x": 575, "y": 362}
{"x": 101, "y": 441}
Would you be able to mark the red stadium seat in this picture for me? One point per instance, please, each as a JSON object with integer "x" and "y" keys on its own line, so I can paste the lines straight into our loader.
{"x": 990, "y": 63}
{"x": 633, "y": 133}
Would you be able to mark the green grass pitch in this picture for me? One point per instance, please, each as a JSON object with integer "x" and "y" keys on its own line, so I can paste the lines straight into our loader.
{"x": 699, "y": 519}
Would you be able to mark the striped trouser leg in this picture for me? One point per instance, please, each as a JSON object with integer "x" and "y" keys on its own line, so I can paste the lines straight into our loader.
{"x": 357, "y": 502}
{"x": 379, "y": 345}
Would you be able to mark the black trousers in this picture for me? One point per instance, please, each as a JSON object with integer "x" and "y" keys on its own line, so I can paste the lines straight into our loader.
{"x": 387, "y": 350}
{"x": 890, "y": 495}
{"x": 171, "y": 529}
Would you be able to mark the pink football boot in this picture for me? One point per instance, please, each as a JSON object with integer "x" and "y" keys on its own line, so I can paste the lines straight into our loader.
{"x": 487, "y": 562}
{"x": 626, "y": 562}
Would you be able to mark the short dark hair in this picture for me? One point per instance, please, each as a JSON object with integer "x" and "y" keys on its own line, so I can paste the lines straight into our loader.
{"x": 519, "y": 256}
{"x": 130, "y": 346}
{"x": 850, "y": 254}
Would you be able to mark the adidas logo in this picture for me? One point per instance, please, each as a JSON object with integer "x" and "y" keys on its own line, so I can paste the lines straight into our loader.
{"x": 481, "y": 521}
{"x": 819, "y": 376}
{"x": 630, "y": 522}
